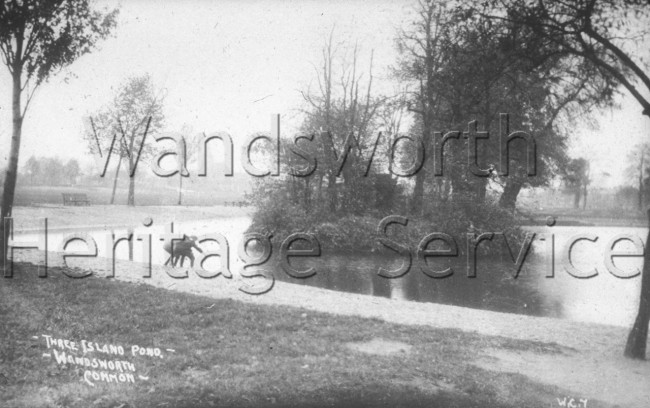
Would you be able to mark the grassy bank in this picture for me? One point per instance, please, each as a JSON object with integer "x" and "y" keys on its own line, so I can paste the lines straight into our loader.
{"x": 228, "y": 353}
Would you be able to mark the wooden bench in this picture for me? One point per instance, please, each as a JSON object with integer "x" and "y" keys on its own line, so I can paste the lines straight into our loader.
{"x": 75, "y": 199}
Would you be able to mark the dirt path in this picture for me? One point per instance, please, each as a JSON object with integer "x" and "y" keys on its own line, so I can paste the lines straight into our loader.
{"x": 591, "y": 366}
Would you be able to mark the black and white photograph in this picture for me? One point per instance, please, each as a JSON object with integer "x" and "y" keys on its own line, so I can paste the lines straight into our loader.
{"x": 302, "y": 203}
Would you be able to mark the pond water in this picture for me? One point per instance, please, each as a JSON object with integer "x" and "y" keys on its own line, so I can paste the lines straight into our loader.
{"x": 604, "y": 298}
{"x": 538, "y": 290}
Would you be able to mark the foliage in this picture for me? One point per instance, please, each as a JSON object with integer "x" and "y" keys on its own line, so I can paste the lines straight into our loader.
{"x": 598, "y": 34}
{"x": 627, "y": 193}
{"x": 577, "y": 178}
{"x": 342, "y": 114}
{"x": 577, "y": 173}
{"x": 594, "y": 32}
{"x": 279, "y": 211}
{"x": 344, "y": 209}
{"x": 126, "y": 118}
{"x": 638, "y": 172}
{"x": 72, "y": 171}
{"x": 134, "y": 114}
{"x": 462, "y": 66}
{"x": 38, "y": 38}
{"x": 51, "y": 171}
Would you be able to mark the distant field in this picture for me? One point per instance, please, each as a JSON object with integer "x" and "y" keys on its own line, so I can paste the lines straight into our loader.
{"x": 103, "y": 216}
{"x": 589, "y": 217}
{"x": 39, "y": 195}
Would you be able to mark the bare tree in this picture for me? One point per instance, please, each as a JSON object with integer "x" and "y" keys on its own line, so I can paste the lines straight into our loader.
{"x": 124, "y": 125}
{"x": 421, "y": 62}
{"x": 341, "y": 110}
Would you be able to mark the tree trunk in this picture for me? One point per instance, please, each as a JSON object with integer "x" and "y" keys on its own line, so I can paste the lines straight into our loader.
{"x": 319, "y": 188}
{"x": 180, "y": 189}
{"x": 510, "y": 192}
{"x": 418, "y": 192}
{"x": 417, "y": 201}
{"x": 584, "y": 197}
{"x": 307, "y": 196}
{"x": 12, "y": 167}
{"x": 117, "y": 173}
{"x": 638, "y": 337}
{"x": 576, "y": 198}
{"x": 130, "y": 242}
{"x": 639, "y": 205}
{"x": 331, "y": 190}
{"x": 462, "y": 189}
{"x": 640, "y": 198}
{"x": 131, "y": 199}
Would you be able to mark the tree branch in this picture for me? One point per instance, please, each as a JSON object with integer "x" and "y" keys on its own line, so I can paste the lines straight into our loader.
{"x": 623, "y": 57}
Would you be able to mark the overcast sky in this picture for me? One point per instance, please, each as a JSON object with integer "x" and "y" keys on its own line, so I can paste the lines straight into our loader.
{"x": 229, "y": 65}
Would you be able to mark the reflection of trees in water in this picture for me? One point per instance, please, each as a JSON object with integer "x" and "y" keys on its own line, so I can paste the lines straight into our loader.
{"x": 404, "y": 287}
{"x": 345, "y": 273}
{"x": 494, "y": 288}
{"x": 398, "y": 289}
{"x": 380, "y": 285}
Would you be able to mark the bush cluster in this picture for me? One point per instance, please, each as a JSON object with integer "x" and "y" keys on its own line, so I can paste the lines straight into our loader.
{"x": 282, "y": 213}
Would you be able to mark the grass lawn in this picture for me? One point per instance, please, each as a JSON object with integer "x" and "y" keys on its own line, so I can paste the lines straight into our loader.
{"x": 229, "y": 353}
{"x": 147, "y": 192}
{"x": 589, "y": 217}
{"x": 101, "y": 216}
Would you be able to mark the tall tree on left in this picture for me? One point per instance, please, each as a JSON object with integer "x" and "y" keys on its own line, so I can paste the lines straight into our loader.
{"x": 38, "y": 38}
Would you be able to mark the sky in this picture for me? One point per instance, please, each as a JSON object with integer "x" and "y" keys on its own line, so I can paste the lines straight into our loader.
{"x": 229, "y": 65}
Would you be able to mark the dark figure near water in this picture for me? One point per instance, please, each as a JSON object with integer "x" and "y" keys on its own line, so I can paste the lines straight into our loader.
{"x": 181, "y": 250}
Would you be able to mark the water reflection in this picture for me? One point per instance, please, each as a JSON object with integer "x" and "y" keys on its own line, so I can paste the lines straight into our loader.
{"x": 603, "y": 299}
{"x": 543, "y": 287}
{"x": 494, "y": 288}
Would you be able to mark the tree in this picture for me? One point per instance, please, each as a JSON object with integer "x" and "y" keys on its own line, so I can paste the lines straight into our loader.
{"x": 190, "y": 143}
{"x": 577, "y": 179}
{"x": 71, "y": 171}
{"x": 342, "y": 109}
{"x": 637, "y": 170}
{"x": 52, "y": 171}
{"x": 421, "y": 60}
{"x": 466, "y": 67}
{"x": 124, "y": 125}
{"x": 593, "y": 30}
{"x": 32, "y": 169}
{"x": 597, "y": 32}
{"x": 38, "y": 38}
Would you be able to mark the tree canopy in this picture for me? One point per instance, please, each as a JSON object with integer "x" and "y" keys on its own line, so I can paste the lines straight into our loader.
{"x": 38, "y": 38}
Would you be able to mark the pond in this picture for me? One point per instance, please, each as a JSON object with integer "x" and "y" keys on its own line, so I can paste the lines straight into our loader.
{"x": 538, "y": 290}
{"x": 604, "y": 298}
